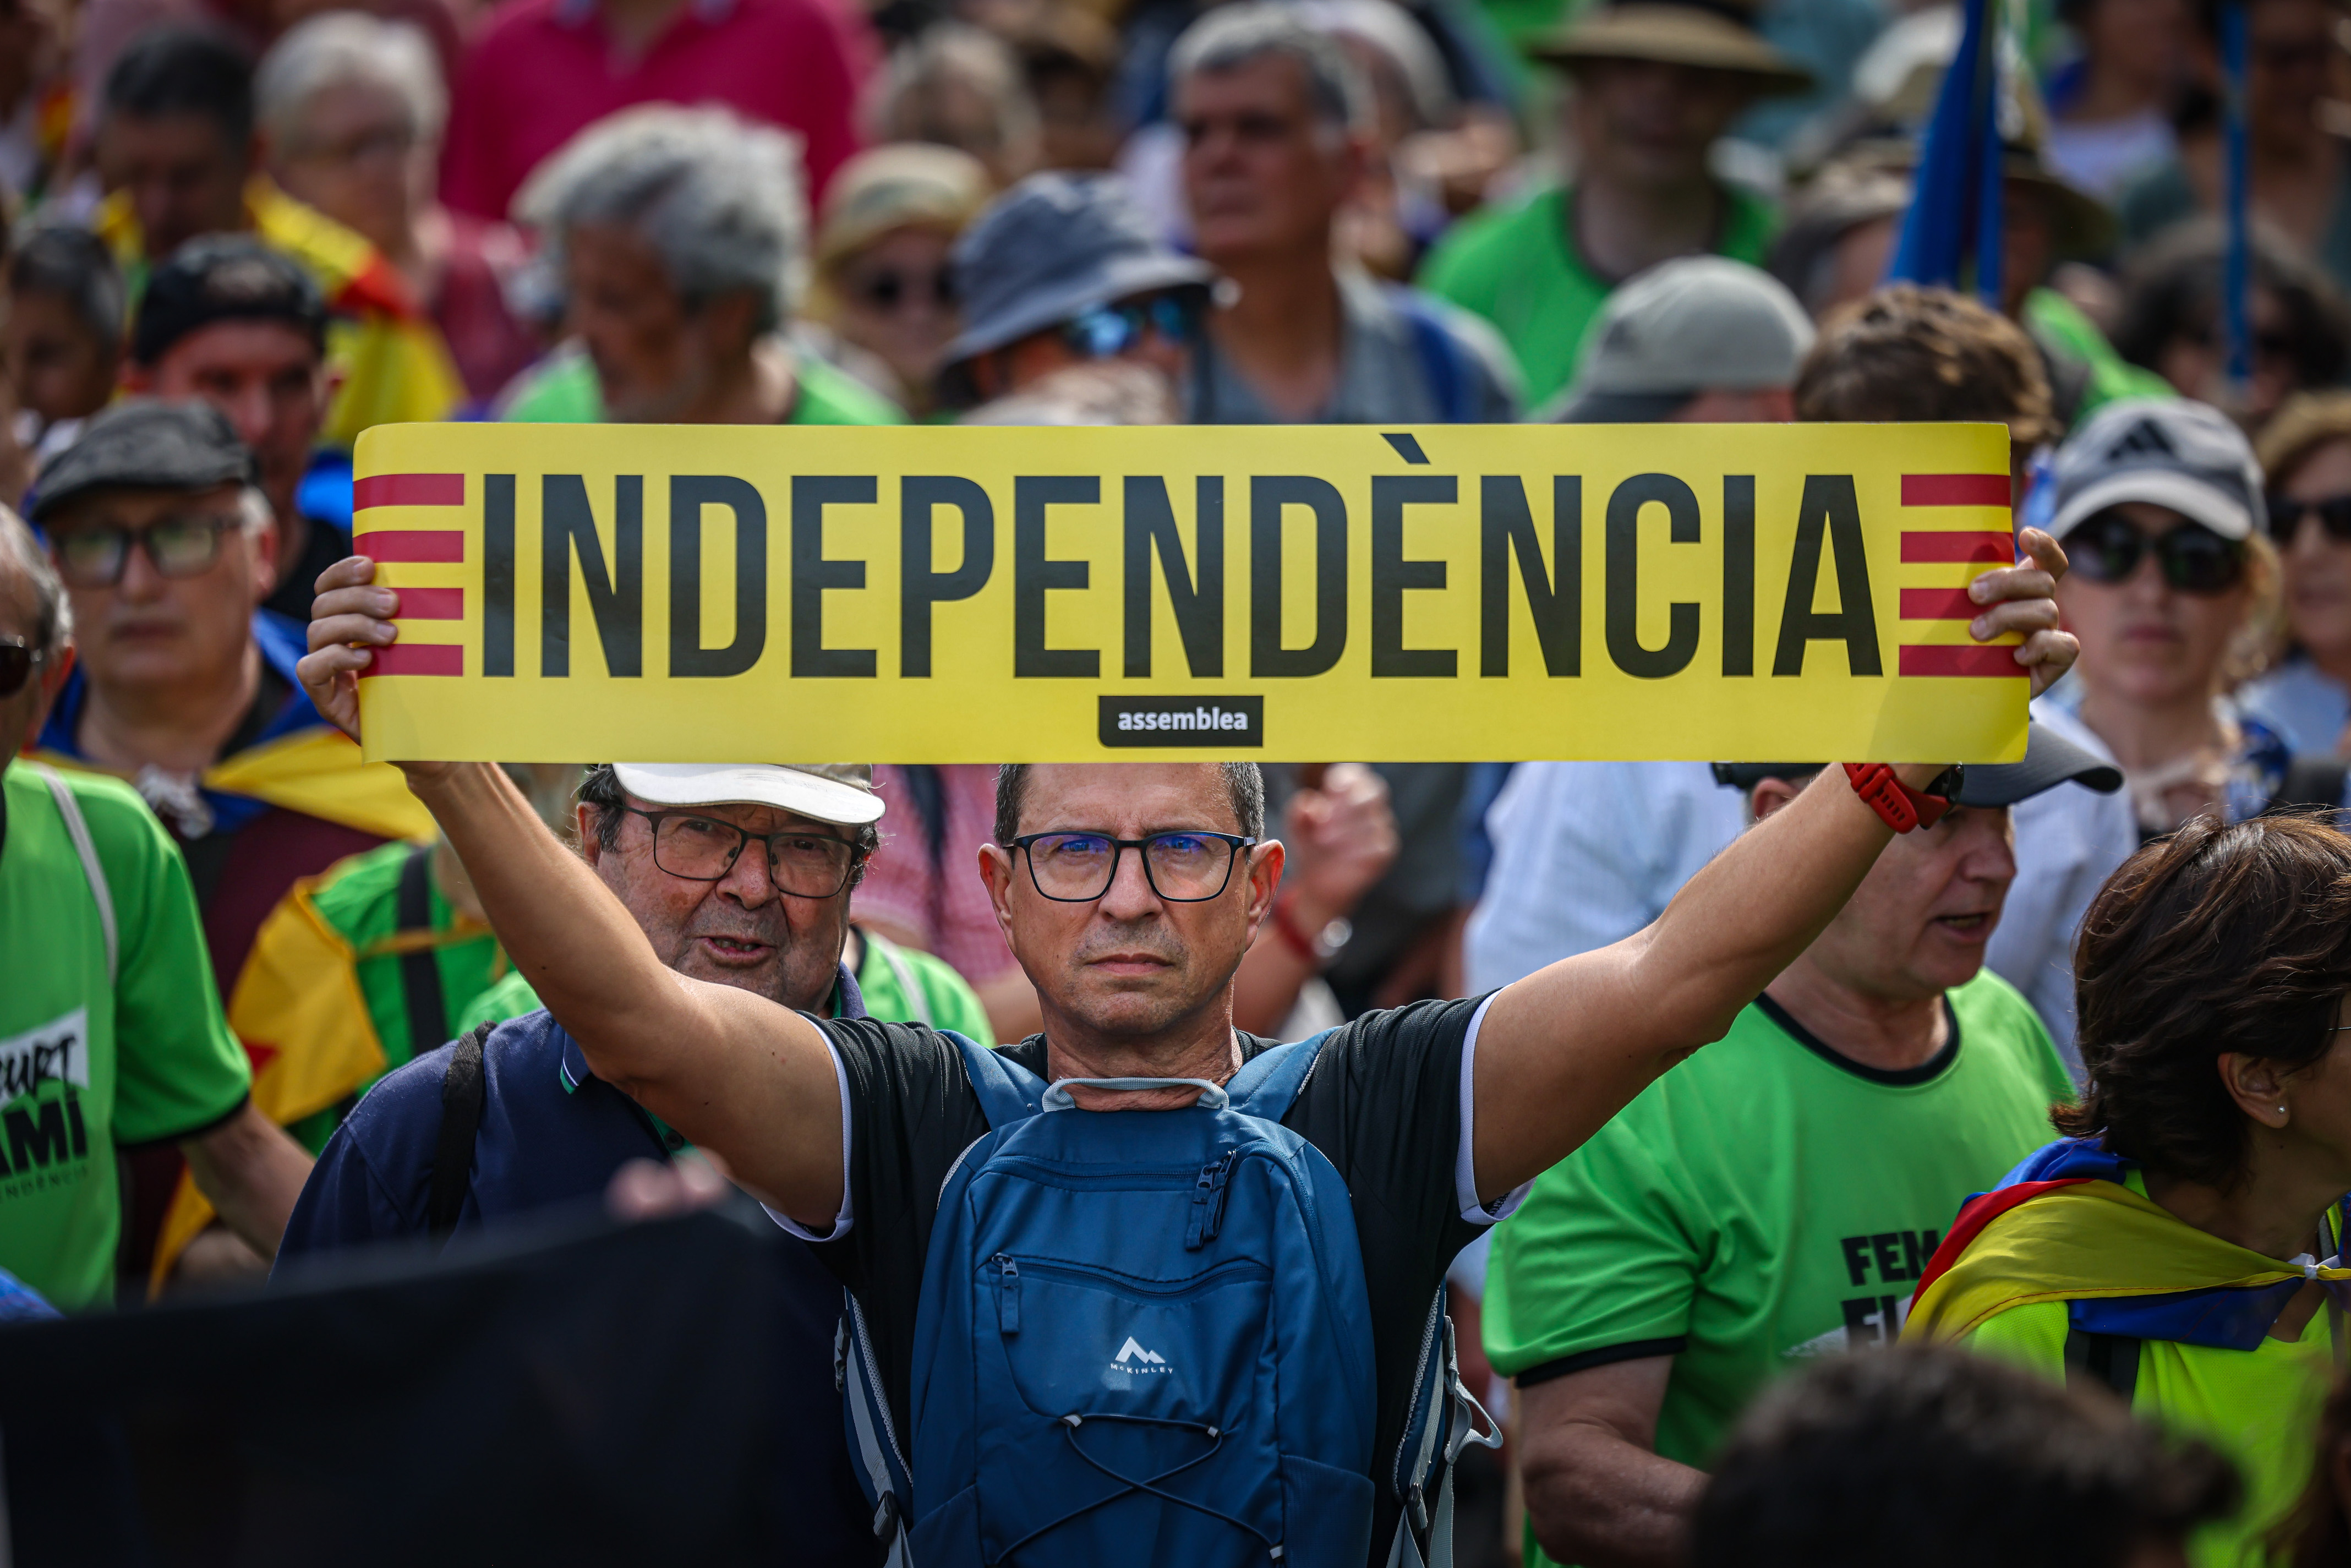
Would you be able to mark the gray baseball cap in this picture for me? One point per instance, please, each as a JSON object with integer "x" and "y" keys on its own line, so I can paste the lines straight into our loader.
{"x": 2050, "y": 759}
{"x": 2168, "y": 451}
{"x": 1694, "y": 324}
{"x": 1053, "y": 246}
{"x": 142, "y": 444}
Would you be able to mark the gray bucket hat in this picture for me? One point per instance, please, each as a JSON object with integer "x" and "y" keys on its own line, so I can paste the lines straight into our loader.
{"x": 1053, "y": 246}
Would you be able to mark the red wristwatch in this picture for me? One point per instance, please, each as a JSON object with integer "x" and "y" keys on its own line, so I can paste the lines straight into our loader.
{"x": 1898, "y": 805}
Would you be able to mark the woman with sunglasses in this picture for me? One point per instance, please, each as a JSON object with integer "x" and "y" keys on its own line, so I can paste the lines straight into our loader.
{"x": 2158, "y": 506}
{"x": 2306, "y": 454}
{"x": 882, "y": 306}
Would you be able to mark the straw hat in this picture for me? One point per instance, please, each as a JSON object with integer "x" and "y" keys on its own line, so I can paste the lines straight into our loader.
{"x": 905, "y": 185}
{"x": 1721, "y": 37}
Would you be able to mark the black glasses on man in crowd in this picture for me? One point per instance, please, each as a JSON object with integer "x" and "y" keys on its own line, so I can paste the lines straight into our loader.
{"x": 1102, "y": 331}
{"x": 886, "y": 288}
{"x": 702, "y": 848}
{"x": 19, "y": 660}
{"x": 2107, "y": 547}
{"x": 175, "y": 546}
{"x": 1183, "y": 867}
{"x": 2333, "y": 512}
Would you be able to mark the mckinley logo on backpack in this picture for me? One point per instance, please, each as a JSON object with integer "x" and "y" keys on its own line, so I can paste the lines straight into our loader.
{"x": 1144, "y": 1336}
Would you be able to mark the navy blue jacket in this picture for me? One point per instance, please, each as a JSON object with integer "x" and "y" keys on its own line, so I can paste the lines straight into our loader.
{"x": 551, "y": 1135}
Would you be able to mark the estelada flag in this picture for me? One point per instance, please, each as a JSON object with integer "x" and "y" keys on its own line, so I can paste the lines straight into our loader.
{"x": 2065, "y": 1226}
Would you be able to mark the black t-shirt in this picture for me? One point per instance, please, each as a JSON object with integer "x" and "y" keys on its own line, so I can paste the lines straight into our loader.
{"x": 323, "y": 544}
{"x": 1383, "y": 1104}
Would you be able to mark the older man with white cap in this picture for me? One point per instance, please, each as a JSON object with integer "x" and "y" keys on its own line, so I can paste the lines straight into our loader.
{"x": 739, "y": 875}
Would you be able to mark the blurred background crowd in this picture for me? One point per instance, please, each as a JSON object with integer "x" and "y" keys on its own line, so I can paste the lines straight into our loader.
{"x": 876, "y": 212}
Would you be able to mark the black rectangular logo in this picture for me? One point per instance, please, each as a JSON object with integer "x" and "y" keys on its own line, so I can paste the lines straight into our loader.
{"x": 1182, "y": 721}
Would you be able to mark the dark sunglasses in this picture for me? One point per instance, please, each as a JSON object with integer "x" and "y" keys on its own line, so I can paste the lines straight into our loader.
{"x": 19, "y": 660}
{"x": 886, "y": 288}
{"x": 2107, "y": 547}
{"x": 1103, "y": 331}
{"x": 2334, "y": 514}
{"x": 176, "y": 546}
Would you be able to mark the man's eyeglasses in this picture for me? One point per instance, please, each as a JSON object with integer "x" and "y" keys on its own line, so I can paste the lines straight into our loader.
{"x": 886, "y": 288}
{"x": 1184, "y": 867}
{"x": 175, "y": 546}
{"x": 703, "y": 849}
{"x": 2107, "y": 547}
{"x": 19, "y": 660}
{"x": 2333, "y": 512}
{"x": 1103, "y": 331}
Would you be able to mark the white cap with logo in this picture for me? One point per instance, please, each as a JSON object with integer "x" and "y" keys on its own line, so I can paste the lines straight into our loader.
{"x": 841, "y": 793}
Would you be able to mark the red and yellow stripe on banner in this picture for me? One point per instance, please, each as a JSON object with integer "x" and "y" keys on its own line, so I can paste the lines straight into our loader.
{"x": 1956, "y": 527}
{"x": 393, "y": 525}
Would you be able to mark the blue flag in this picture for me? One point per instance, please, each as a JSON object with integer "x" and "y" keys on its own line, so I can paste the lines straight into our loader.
{"x": 1955, "y": 203}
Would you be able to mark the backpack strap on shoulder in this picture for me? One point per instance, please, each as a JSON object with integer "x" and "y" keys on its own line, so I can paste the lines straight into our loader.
{"x": 420, "y": 969}
{"x": 78, "y": 830}
{"x": 2110, "y": 1361}
{"x": 463, "y": 1090}
{"x": 1268, "y": 1081}
{"x": 1007, "y": 1091}
{"x": 1443, "y": 1419}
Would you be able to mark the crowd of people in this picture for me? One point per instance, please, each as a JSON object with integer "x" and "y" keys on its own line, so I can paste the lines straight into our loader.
{"x": 2051, "y": 1076}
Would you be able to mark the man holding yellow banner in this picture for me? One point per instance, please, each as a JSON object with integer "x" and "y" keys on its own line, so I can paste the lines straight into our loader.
{"x": 1061, "y": 1344}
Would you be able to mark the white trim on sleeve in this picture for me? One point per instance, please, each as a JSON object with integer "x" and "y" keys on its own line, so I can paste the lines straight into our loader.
{"x": 1465, "y": 1164}
{"x": 845, "y": 1218}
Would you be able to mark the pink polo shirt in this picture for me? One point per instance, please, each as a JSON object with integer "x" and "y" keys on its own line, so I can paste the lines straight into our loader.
{"x": 542, "y": 71}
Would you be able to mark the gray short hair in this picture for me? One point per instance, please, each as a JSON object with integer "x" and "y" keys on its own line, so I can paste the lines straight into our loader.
{"x": 340, "y": 48}
{"x": 718, "y": 197}
{"x": 1233, "y": 36}
{"x": 52, "y": 612}
{"x": 1244, "y": 788}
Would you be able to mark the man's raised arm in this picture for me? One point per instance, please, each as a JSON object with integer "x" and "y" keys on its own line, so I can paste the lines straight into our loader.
{"x": 1563, "y": 1050}
{"x": 748, "y": 1079}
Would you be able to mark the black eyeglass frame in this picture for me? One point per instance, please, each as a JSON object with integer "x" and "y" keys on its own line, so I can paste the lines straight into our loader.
{"x": 19, "y": 660}
{"x": 1234, "y": 843}
{"x": 744, "y": 836}
{"x": 2334, "y": 514}
{"x": 141, "y": 540}
{"x": 2108, "y": 520}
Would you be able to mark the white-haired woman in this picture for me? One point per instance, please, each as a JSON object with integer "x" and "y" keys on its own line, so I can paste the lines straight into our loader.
{"x": 352, "y": 108}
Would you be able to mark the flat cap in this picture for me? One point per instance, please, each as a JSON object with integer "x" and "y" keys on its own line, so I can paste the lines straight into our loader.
{"x": 144, "y": 444}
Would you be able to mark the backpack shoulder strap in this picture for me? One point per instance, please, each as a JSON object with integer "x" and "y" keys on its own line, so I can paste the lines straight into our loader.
{"x": 78, "y": 830}
{"x": 1268, "y": 1081}
{"x": 2110, "y": 1361}
{"x": 1007, "y": 1091}
{"x": 420, "y": 969}
{"x": 2311, "y": 780}
{"x": 463, "y": 1090}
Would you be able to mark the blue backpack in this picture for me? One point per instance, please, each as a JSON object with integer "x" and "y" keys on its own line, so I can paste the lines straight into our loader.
{"x": 1145, "y": 1337}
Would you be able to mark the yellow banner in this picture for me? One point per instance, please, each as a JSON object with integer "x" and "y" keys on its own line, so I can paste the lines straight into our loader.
{"x": 1448, "y": 593}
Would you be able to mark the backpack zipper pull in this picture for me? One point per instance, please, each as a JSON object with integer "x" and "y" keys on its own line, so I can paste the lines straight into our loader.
{"x": 1209, "y": 1202}
{"x": 1008, "y": 1295}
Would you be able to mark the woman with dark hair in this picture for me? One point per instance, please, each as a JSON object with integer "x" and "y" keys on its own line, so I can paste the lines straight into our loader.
{"x": 2170, "y": 1246}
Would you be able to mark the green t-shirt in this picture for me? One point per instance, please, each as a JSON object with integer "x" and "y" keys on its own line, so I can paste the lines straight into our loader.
{"x": 89, "y": 1065}
{"x": 1517, "y": 266}
{"x": 563, "y": 390}
{"x": 946, "y": 1000}
{"x": 2259, "y": 1407}
{"x": 359, "y": 897}
{"x": 1764, "y": 1202}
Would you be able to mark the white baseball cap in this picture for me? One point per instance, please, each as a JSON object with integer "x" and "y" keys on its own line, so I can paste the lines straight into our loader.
{"x": 841, "y": 793}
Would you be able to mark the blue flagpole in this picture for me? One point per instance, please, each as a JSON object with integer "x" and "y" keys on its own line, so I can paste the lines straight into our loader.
{"x": 1955, "y": 197}
{"x": 2236, "y": 291}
